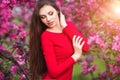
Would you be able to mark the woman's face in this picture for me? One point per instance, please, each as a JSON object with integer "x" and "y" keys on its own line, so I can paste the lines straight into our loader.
{"x": 49, "y": 16}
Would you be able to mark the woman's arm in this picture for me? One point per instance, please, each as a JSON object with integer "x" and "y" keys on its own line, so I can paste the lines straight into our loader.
{"x": 70, "y": 30}
{"x": 54, "y": 68}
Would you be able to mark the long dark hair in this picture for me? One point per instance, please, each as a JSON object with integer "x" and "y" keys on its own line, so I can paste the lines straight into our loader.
{"x": 37, "y": 61}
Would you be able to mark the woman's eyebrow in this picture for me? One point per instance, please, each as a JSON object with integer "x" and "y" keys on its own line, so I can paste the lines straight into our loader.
{"x": 47, "y": 13}
{"x": 42, "y": 15}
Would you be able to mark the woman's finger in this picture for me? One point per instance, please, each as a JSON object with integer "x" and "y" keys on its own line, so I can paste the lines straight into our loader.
{"x": 81, "y": 45}
{"x": 62, "y": 20}
{"x": 74, "y": 40}
{"x": 79, "y": 42}
{"x": 77, "y": 39}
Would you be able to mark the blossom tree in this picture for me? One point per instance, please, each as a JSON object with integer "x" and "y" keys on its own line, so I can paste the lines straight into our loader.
{"x": 14, "y": 58}
{"x": 97, "y": 19}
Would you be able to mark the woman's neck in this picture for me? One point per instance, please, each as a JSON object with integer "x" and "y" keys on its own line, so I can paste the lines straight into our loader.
{"x": 57, "y": 29}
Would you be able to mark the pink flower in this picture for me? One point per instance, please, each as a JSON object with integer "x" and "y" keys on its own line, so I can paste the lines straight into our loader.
{"x": 26, "y": 69}
{"x": 58, "y": 3}
{"x": 19, "y": 52}
{"x": 118, "y": 58}
{"x": 1, "y": 48}
{"x": 2, "y": 5}
{"x": 4, "y": 28}
{"x": 20, "y": 60}
{"x": 84, "y": 72}
{"x": 116, "y": 43}
{"x": 22, "y": 76}
{"x": 111, "y": 66}
{"x": 103, "y": 74}
{"x": 14, "y": 26}
{"x": 14, "y": 69}
{"x": 91, "y": 39}
{"x": 84, "y": 64}
{"x": 102, "y": 25}
{"x": 99, "y": 40}
{"x": 116, "y": 70}
{"x": 92, "y": 68}
{"x": 22, "y": 34}
{"x": 2, "y": 76}
{"x": 6, "y": 14}
{"x": 5, "y": 1}
{"x": 14, "y": 36}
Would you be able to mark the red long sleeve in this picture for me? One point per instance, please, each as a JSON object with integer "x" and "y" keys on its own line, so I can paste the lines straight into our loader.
{"x": 70, "y": 31}
{"x": 54, "y": 68}
{"x": 57, "y": 49}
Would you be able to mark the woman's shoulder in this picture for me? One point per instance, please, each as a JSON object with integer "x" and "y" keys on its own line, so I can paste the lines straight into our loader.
{"x": 70, "y": 22}
{"x": 49, "y": 35}
{"x": 45, "y": 34}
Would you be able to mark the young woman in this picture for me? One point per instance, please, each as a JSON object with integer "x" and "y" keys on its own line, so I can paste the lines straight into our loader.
{"x": 55, "y": 44}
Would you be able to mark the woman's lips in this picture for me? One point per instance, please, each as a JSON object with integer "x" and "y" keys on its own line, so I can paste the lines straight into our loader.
{"x": 50, "y": 23}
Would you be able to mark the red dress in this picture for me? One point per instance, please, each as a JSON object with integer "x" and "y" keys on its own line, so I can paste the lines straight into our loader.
{"x": 57, "y": 50}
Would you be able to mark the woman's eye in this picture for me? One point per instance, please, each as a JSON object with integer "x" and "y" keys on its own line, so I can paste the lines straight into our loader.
{"x": 42, "y": 17}
{"x": 50, "y": 13}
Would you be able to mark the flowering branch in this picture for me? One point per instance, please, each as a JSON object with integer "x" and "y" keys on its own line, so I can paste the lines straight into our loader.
{"x": 11, "y": 58}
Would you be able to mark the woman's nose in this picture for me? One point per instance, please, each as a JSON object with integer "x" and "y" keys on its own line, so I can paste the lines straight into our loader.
{"x": 48, "y": 18}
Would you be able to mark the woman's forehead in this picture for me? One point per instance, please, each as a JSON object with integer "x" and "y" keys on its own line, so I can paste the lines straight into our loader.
{"x": 45, "y": 9}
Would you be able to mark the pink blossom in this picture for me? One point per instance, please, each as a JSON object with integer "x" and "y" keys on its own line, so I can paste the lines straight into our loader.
{"x": 26, "y": 69}
{"x": 14, "y": 36}
{"x": 102, "y": 25}
{"x": 5, "y": 1}
{"x": 84, "y": 64}
{"x": 111, "y": 66}
{"x": 99, "y": 40}
{"x": 91, "y": 39}
{"x": 103, "y": 74}
{"x": 58, "y": 3}
{"x": 109, "y": 22}
{"x": 116, "y": 43}
{"x": 20, "y": 27}
{"x": 22, "y": 76}
{"x": 116, "y": 70}
{"x": 19, "y": 52}
{"x": 1, "y": 48}
{"x": 2, "y": 77}
{"x": 14, "y": 69}
{"x": 61, "y": 1}
{"x": 84, "y": 72}
{"x": 92, "y": 4}
{"x": 67, "y": 9}
{"x": 6, "y": 13}
{"x": 4, "y": 28}
{"x": 14, "y": 26}
{"x": 22, "y": 34}
{"x": 2, "y": 5}
{"x": 19, "y": 59}
{"x": 92, "y": 68}
{"x": 118, "y": 58}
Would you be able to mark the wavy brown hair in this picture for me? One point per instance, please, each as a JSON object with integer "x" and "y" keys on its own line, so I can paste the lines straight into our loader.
{"x": 37, "y": 61}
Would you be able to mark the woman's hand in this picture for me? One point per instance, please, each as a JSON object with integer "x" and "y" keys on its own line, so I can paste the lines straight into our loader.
{"x": 77, "y": 45}
{"x": 62, "y": 20}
